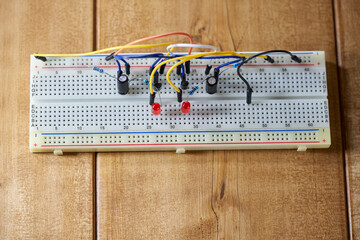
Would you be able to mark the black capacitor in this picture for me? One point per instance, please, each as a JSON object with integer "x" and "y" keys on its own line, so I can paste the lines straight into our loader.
{"x": 187, "y": 67}
{"x": 122, "y": 84}
{"x": 211, "y": 85}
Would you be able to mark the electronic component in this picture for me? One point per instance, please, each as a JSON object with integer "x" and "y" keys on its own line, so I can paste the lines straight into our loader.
{"x": 185, "y": 107}
{"x": 193, "y": 90}
{"x": 211, "y": 85}
{"x": 100, "y": 70}
{"x": 146, "y": 81}
{"x": 155, "y": 108}
{"x": 122, "y": 84}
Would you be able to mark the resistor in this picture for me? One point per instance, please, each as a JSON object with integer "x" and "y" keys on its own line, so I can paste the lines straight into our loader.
{"x": 192, "y": 91}
{"x": 146, "y": 81}
{"x": 98, "y": 69}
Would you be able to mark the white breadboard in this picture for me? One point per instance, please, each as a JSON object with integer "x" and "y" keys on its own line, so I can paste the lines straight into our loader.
{"x": 74, "y": 108}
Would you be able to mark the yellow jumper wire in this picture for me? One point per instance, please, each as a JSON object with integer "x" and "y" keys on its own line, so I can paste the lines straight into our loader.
{"x": 103, "y": 50}
{"x": 189, "y": 57}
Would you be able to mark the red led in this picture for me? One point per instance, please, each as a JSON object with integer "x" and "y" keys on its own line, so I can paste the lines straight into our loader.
{"x": 185, "y": 107}
{"x": 155, "y": 108}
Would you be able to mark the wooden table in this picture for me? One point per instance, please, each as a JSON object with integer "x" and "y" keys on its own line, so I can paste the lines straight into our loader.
{"x": 267, "y": 194}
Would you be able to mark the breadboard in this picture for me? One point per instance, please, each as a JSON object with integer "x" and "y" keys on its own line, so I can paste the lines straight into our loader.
{"x": 74, "y": 108}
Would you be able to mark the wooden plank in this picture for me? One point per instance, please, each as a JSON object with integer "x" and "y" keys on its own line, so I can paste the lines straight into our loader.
{"x": 248, "y": 194}
{"x": 347, "y": 24}
{"x": 155, "y": 195}
{"x": 41, "y": 196}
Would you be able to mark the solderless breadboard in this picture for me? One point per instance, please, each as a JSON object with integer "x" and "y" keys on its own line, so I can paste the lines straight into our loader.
{"x": 74, "y": 108}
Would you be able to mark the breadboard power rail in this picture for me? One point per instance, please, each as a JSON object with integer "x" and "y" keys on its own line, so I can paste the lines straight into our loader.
{"x": 75, "y": 105}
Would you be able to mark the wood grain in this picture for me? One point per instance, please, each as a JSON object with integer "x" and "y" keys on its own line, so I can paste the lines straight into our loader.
{"x": 225, "y": 194}
{"x": 41, "y": 196}
{"x": 348, "y": 21}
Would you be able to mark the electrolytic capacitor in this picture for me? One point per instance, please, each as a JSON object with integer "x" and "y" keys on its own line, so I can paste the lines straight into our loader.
{"x": 211, "y": 85}
{"x": 122, "y": 84}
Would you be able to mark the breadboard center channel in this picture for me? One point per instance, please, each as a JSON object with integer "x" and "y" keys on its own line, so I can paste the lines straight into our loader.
{"x": 74, "y": 108}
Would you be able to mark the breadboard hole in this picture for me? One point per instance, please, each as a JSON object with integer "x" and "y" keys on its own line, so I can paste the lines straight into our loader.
{"x": 137, "y": 139}
{"x": 277, "y": 137}
{"x": 193, "y": 138}
{"x": 306, "y": 136}
{"x": 54, "y": 140}
{"x": 250, "y": 137}
{"x": 83, "y": 139}
{"x": 223, "y": 137}
{"x": 111, "y": 139}
{"x": 128, "y": 116}
{"x": 166, "y": 138}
